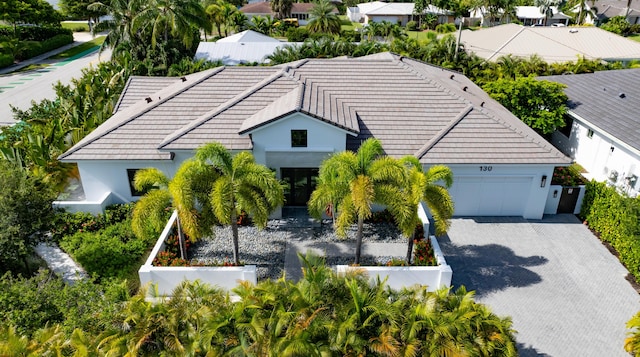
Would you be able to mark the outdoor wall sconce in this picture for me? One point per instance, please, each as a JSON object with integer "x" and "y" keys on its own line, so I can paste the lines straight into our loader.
{"x": 543, "y": 181}
{"x": 555, "y": 193}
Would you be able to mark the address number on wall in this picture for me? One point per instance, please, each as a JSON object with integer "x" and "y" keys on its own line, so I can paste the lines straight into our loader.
{"x": 486, "y": 168}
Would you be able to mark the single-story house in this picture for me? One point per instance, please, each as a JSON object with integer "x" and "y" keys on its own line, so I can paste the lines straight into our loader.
{"x": 603, "y": 126}
{"x": 552, "y": 44}
{"x": 293, "y": 116}
{"x": 531, "y": 15}
{"x": 299, "y": 10}
{"x": 606, "y": 9}
{"x": 395, "y": 12}
{"x": 245, "y": 47}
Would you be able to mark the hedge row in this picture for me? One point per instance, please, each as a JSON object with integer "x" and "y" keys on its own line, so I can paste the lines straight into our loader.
{"x": 37, "y": 48}
{"x": 6, "y": 60}
{"x": 34, "y": 33}
{"x": 616, "y": 218}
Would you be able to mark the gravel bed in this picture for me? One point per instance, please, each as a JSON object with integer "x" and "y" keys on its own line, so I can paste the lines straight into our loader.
{"x": 266, "y": 248}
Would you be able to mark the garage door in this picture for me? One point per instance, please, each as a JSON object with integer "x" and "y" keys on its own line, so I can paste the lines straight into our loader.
{"x": 490, "y": 196}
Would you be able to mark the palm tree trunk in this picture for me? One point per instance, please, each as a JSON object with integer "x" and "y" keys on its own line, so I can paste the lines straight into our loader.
{"x": 410, "y": 247}
{"x": 359, "y": 239}
{"x": 234, "y": 231}
{"x": 181, "y": 241}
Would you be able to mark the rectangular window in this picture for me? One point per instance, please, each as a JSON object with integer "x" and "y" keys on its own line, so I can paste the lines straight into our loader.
{"x": 131, "y": 174}
{"x": 589, "y": 133}
{"x": 299, "y": 138}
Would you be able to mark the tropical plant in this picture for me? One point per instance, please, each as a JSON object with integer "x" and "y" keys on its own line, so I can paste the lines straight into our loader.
{"x": 282, "y": 8}
{"x": 632, "y": 342}
{"x": 177, "y": 17}
{"x": 322, "y": 19}
{"x": 120, "y": 28}
{"x": 187, "y": 193}
{"x": 350, "y": 183}
{"x": 242, "y": 185}
{"x": 431, "y": 187}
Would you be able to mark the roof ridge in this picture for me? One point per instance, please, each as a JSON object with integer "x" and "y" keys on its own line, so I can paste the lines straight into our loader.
{"x": 436, "y": 138}
{"x": 497, "y": 51}
{"x": 97, "y": 134}
{"x": 228, "y": 104}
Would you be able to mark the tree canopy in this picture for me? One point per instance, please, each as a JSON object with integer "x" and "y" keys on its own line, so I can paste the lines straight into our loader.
{"x": 539, "y": 104}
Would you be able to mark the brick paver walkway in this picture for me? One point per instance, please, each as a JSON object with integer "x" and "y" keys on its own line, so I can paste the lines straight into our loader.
{"x": 566, "y": 293}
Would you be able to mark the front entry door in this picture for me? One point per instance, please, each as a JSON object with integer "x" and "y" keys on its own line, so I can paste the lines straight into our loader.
{"x": 568, "y": 199}
{"x": 300, "y": 183}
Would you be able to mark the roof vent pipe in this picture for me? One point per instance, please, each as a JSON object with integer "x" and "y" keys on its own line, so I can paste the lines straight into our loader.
{"x": 465, "y": 88}
{"x": 184, "y": 79}
{"x": 148, "y": 99}
{"x": 451, "y": 76}
{"x": 621, "y": 95}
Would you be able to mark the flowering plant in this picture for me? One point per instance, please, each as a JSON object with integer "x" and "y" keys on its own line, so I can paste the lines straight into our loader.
{"x": 567, "y": 176}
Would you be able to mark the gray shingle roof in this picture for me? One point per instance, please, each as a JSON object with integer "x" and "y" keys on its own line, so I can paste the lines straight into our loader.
{"x": 412, "y": 107}
{"x": 596, "y": 97}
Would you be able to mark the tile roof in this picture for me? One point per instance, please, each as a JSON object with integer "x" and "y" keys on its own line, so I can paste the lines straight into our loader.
{"x": 596, "y": 97}
{"x": 414, "y": 108}
{"x": 248, "y": 36}
{"x": 552, "y": 44}
{"x": 138, "y": 88}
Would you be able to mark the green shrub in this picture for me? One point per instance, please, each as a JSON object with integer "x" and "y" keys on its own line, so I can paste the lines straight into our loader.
{"x": 297, "y": 34}
{"x": 351, "y": 35}
{"x": 112, "y": 252}
{"x": 445, "y": 28}
{"x": 33, "y": 48}
{"x": 6, "y": 60}
{"x": 412, "y": 26}
{"x": 34, "y": 33}
{"x": 617, "y": 24}
{"x": 616, "y": 220}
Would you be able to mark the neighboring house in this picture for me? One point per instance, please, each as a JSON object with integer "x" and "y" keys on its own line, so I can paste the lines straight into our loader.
{"x": 293, "y": 116}
{"x": 552, "y": 44}
{"x": 531, "y": 15}
{"x": 242, "y": 48}
{"x": 603, "y": 125}
{"x": 395, "y": 12}
{"x": 299, "y": 11}
{"x": 606, "y": 9}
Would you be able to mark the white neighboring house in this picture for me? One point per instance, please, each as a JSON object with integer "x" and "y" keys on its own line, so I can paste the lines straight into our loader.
{"x": 293, "y": 116}
{"x": 531, "y": 15}
{"x": 603, "y": 125}
{"x": 245, "y": 47}
{"x": 606, "y": 9}
{"x": 395, "y": 12}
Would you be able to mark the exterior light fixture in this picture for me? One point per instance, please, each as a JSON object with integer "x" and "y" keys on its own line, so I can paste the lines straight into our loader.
{"x": 543, "y": 181}
{"x": 555, "y": 193}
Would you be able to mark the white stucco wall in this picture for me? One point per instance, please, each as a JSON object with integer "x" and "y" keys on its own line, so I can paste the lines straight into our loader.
{"x": 595, "y": 155}
{"x": 101, "y": 177}
{"x": 272, "y": 143}
{"x": 488, "y": 189}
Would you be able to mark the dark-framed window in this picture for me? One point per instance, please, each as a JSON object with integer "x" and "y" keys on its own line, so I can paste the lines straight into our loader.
{"x": 131, "y": 174}
{"x": 299, "y": 138}
{"x": 589, "y": 133}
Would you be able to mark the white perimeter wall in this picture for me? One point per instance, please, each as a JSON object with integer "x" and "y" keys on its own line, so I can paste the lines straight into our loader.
{"x": 595, "y": 155}
{"x": 527, "y": 197}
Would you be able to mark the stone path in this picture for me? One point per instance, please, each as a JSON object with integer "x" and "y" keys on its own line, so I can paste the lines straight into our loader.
{"x": 60, "y": 263}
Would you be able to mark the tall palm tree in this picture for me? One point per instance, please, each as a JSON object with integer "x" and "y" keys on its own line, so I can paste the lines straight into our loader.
{"x": 177, "y": 17}
{"x": 281, "y": 8}
{"x": 243, "y": 185}
{"x": 353, "y": 182}
{"x": 430, "y": 187}
{"x": 120, "y": 26}
{"x": 187, "y": 190}
{"x": 322, "y": 19}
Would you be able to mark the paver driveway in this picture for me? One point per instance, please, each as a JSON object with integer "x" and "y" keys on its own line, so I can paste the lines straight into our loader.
{"x": 566, "y": 293}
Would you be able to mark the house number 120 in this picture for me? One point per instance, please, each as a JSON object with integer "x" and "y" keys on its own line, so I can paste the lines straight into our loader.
{"x": 486, "y": 168}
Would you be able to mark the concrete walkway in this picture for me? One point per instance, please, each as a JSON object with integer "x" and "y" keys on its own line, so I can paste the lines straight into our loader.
{"x": 567, "y": 294}
{"x": 60, "y": 263}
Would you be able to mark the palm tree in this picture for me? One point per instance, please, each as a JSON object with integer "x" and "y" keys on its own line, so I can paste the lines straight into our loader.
{"x": 243, "y": 185}
{"x": 322, "y": 19}
{"x": 187, "y": 190}
{"x": 177, "y": 17}
{"x": 214, "y": 15}
{"x": 545, "y": 8}
{"x": 282, "y": 8}
{"x": 424, "y": 186}
{"x": 261, "y": 24}
{"x": 237, "y": 21}
{"x": 352, "y": 182}
{"x": 120, "y": 25}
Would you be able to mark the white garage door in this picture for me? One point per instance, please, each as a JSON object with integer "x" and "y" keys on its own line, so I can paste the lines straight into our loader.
{"x": 490, "y": 196}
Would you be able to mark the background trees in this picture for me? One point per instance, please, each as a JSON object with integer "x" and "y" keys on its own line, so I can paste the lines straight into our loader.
{"x": 322, "y": 19}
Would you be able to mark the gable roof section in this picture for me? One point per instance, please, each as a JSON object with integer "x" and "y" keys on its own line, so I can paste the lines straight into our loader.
{"x": 414, "y": 108}
{"x": 248, "y": 36}
{"x": 596, "y": 97}
{"x": 552, "y": 44}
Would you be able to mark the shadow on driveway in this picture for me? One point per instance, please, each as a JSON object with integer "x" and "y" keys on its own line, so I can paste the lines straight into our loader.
{"x": 489, "y": 268}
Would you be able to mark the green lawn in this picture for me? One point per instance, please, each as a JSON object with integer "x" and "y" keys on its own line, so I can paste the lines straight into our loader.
{"x": 635, "y": 37}
{"x": 420, "y": 35}
{"x": 348, "y": 25}
{"x": 73, "y": 51}
{"x": 75, "y": 26}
